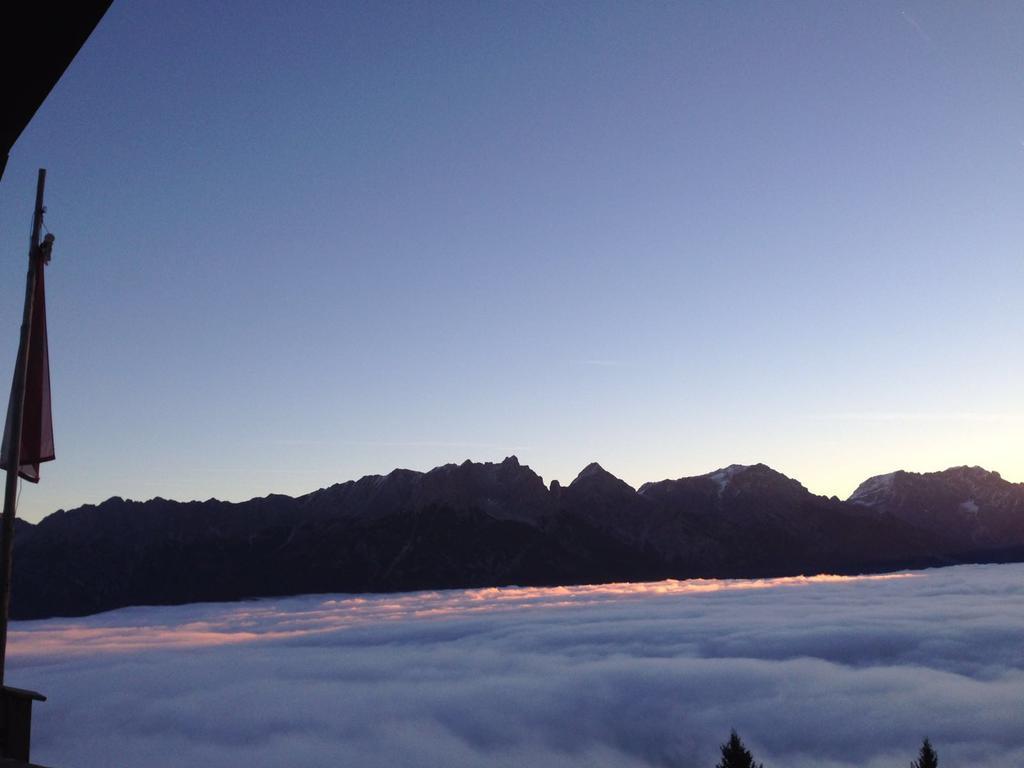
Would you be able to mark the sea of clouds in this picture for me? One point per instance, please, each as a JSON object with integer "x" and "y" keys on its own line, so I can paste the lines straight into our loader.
{"x": 823, "y": 672}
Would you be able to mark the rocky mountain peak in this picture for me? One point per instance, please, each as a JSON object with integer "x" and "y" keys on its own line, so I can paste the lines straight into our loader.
{"x": 593, "y": 469}
{"x": 760, "y": 478}
{"x": 875, "y": 490}
{"x": 595, "y": 478}
{"x": 504, "y": 490}
{"x": 972, "y": 474}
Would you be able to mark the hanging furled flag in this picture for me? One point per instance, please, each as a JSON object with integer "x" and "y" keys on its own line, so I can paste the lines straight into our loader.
{"x": 27, "y": 443}
{"x": 37, "y": 419}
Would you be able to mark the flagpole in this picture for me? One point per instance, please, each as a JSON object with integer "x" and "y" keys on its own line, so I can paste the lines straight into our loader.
{"x": 17, "y": 416}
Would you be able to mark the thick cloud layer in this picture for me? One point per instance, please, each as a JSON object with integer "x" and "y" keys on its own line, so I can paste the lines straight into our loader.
{"x": 823, "y": 672}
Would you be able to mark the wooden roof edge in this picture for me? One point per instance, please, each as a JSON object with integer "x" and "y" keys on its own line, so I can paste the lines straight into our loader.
{"x": 24, "y": 693}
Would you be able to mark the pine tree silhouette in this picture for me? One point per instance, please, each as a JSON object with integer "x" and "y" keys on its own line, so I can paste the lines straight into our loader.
{"x": 735, "y": 755}
{"x": 928, "y": 758}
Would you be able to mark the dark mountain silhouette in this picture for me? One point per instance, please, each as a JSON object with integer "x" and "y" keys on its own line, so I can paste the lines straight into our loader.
{"x": 492, "y": 524}
{"x": 968, "y": 507}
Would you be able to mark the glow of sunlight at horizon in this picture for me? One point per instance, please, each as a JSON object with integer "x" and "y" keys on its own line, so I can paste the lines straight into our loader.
{"x": 238, "y": 623}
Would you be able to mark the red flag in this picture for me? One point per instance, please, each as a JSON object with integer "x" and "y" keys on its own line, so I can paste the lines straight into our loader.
{"x": 37, "y": 423}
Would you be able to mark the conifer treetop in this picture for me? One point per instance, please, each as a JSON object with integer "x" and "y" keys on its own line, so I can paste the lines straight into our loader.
{"x": 927, "y": 757}
{"x": 735, "y": 755}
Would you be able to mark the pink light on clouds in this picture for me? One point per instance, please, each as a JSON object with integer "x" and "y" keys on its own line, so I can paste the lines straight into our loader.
{"x": 211, "y": 624}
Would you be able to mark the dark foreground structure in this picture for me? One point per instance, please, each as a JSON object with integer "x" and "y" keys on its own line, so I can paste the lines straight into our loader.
{"x": 53, "y": 33}
{"x": 16, "y": 724}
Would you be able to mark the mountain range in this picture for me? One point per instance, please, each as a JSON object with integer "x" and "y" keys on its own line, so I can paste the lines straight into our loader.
{"x": 494, "y": 524}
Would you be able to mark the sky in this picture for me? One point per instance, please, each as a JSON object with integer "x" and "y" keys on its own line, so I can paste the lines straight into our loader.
{"x": 300, "y": 243}
{"x": 616, "y": 676}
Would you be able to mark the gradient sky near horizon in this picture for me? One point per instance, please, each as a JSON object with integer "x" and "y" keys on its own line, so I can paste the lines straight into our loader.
{"x": 299, "y": 243}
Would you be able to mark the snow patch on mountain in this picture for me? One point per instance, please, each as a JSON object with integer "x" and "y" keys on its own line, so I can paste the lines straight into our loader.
{"x": 873, "y": 490}
{"x": 970, "y": 507}
{"x": 722, "y": 477}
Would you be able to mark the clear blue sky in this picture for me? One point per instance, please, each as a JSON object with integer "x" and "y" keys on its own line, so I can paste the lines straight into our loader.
{"x": 302, "y": 242}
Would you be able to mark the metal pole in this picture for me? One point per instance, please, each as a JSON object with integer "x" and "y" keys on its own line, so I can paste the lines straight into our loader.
{"x": 17, "y": 416}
